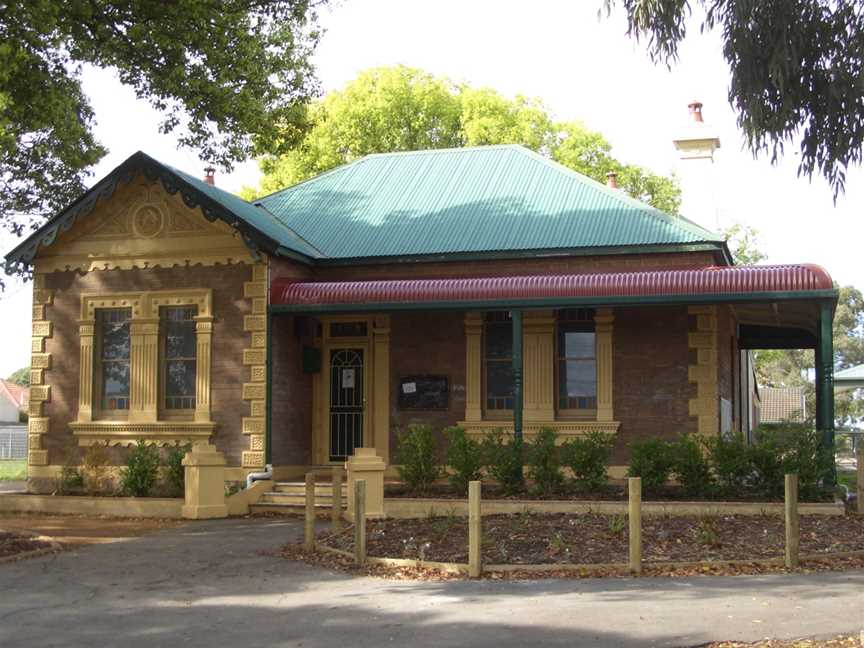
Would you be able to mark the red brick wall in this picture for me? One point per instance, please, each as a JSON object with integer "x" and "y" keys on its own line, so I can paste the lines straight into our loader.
{"x": 427, "y": 343}
{"x": 291, "y": 393}
{"x": 229, "y": 340}
{"x": 727, "y": 361}
{"x": 650, "y": 382}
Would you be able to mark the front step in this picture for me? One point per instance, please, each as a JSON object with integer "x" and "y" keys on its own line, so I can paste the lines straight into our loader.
{"x": 290, "y": 497}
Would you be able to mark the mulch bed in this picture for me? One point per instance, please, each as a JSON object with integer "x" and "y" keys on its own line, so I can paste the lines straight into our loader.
{"x": 836, "y": 642}
{"x": 597, "y": 539}
{"x": 14, "y": 544}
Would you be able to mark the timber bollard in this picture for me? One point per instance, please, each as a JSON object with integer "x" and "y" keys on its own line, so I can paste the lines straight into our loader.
{"x": 860, "y": 477}
{"x": 336, "y": 506}
{"x": 360, "y": 522}
{"x": 634, "y": 513}
{"x": 475, "y": 530}
{"x": 792, "y": 529}
{"x": 309, "y": 528}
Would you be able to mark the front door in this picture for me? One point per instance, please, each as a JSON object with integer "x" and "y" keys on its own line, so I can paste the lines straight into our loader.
{"x": 346, "y": 402}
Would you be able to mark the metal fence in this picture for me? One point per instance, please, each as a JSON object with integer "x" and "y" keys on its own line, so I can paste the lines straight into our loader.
{"x": 13, "y": 442}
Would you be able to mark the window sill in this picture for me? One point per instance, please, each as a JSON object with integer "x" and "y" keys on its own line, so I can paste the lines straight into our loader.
{"x": 566, "y": 429}
{"x": 123, "y": 433}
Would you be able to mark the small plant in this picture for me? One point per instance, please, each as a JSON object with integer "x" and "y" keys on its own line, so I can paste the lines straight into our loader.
{"x": 588, "y": 458}
{"x": 232, "y": 488}
{"x": 141, "y": 471}
{"x": 175, "y": 472}
{"x": 651, "y": 459}
{"x": 417, "y": 456}
{"x": 95, "y": 468}
{"x": 617, "y": 524}
{"x": 557, "y": 544}
{"x": 706, "y": 531}
{"x": 730, "y": 459}
{"x": 70, "y": 478}
{"x": 464, "y": 458}
{"x": 690, "y": 466}
{"x": 544, "y": 463}
{"x": 504, "y": 461}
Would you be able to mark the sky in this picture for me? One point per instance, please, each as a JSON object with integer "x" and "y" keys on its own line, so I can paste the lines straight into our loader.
{"x": 581, "y": 65}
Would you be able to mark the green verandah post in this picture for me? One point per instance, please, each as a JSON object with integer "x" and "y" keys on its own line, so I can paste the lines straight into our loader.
{"x": 825, "y": 383}
{"x": 516, "y": 318}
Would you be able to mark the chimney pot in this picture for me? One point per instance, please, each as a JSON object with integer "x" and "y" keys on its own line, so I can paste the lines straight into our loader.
{"x": 612, "y": 180}
{"x": 210, "y": 175}
{"x": 695, "y": 110}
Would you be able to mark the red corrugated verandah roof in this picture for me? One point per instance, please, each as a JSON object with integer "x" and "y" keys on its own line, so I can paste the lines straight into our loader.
{"x": 725, "y": 283}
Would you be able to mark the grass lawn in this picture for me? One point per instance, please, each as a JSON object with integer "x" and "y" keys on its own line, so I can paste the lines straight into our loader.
{"x": 13, "y": 469}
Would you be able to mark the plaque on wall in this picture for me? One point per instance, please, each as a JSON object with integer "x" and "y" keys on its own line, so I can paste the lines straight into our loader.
{"x": 424, "y": 393}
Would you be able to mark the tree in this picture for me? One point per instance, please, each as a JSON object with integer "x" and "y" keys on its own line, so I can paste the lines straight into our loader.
{"x": 21, "y": 377}
{"x": 404, "y": 109}
{"x": 795, "y": 71}
{"x": 222, "y": 72}
{"x": 743, "y": 242}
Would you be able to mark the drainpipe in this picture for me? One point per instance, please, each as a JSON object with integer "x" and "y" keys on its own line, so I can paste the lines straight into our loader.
{"x": 516, "y": 318}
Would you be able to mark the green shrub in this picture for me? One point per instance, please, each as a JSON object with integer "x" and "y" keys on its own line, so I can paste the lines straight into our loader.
{"x": 71, "y": 478}
{"x": 588, "y": 458}
{"x": 652, "y": 460}
{"x": 730, "y": 461}
{"x": 544, "y": 462}
{"x": 464, "y": 458}
{"x": 175, "y": 473}
{"x": 690, "y": 466}
{"x": 504, "y": 461}
{"x": 804, "y": 456}
{"x": 766, "y": 464}
{"x": 141, "y": 471}
{"x": 417, "y": 457}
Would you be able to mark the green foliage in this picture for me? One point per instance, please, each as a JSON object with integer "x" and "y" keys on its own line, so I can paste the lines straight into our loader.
{"x": 797, "y": 450}
{"x": 142, "y": 470}
{"x": 544, "y": 462}
{"x": 175, "y": 472}
{"x": 743, "y": 242}
{"x": 794, "y": 71}
{"x": 690, "y": 466}
{"x": 95, "y": 469}
{"x": 404, "y": 109}
{"x": 21, "y": 377}
{"x": 652, "y": 460}
{"x": 617, "y": 524}
{"x": 730, "y": 461}
{"x": 417, "y": 457}
{"x": 588, "y": 458}
{"x": 464, "y": 458}
{"x": 504, "y": 461}
{"x": 223, "y": 73}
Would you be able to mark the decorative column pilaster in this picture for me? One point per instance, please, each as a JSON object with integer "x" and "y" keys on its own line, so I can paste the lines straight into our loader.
{"x": 144, "y": 370}
{"x": 255, "y": 357}
{"x": 603, "y": 320}
{"x": 381, "y": 387}
{"x": 40, "y": 362}
{"x": 86, "y": 332}
{"x": 473, "y": 367}
{"x": 203, "y": 337}
{"x": 705, "y": 407}
{"x": 539, "y": 370}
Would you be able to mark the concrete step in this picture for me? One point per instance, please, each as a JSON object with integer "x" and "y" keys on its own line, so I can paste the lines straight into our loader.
{"x": 299, "y": 488}
{"x": 295, "y": 499}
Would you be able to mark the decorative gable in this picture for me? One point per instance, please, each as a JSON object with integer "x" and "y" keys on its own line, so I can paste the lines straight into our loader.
{"x": 142, "y": 225}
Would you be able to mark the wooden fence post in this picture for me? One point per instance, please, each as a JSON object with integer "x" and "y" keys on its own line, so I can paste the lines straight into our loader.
{"x": 860, "y": 476}
{"x": 475, "y": 530}
{"x": 634, "y": 513}
{"x": 309, "y": 527}
{"x": 791, "y": 510}
{"x": 336, "y": 506}
{"x": 360, "y": 522}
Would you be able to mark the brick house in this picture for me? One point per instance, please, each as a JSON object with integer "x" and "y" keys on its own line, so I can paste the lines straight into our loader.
{"x": 485, "y": 287}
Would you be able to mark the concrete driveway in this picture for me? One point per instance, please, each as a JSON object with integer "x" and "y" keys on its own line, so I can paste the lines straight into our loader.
{"x": 213, "y": 584}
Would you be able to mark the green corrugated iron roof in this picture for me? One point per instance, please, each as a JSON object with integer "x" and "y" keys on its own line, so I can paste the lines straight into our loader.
{"x": 481, "y": 199}
{"x": 470, "y": 201}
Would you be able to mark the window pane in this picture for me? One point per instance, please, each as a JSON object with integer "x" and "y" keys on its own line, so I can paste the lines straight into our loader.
{"x": 114, "y": 358}
{"x": 577, "y": 384}
{"x": 499, "y": 385}
{"x": 499, "y": 341}
{"x": 180, "y": 357}
{"x": 578, "y": 344}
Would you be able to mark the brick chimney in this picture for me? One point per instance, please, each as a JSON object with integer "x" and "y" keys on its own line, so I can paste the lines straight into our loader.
{"x": 612, "y": 180}
{"x": 696, "y": 111}
{"x": 210, "y": 175}
{"x": 696, "y": 143}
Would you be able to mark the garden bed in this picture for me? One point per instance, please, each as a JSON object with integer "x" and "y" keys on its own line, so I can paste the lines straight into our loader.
{"x": 23, "y": 545}
{"x": 530, "y": 539}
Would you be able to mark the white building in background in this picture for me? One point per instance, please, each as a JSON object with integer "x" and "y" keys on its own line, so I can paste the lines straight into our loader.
{"x": 696, "y": 144}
